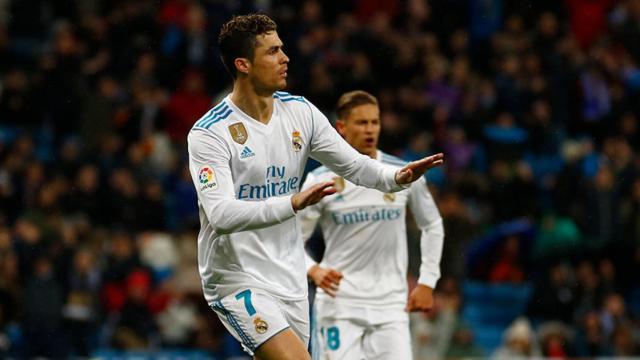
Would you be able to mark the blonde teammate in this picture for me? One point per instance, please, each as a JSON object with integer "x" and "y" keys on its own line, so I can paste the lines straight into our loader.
{"x": 362, "y": 310}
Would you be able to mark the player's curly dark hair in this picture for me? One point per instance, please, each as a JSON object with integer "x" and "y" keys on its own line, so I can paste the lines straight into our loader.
{"x": 351, "y": 99}
{"x": 237, "y": 38}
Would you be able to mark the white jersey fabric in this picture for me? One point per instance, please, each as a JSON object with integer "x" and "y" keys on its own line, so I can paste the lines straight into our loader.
{"x": 245, "y": 173}
{"x": 365, "y": 238}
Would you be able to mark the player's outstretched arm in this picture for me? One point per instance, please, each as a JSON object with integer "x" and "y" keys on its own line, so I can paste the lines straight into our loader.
{"x": 415, "y": 169}
{"x": 326, "y": 279}
{"x": 329, "y": 148}
{"x": 312, "y": 195}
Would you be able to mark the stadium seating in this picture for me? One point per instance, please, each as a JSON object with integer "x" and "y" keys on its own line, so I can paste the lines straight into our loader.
{"x": 490, "y": 308}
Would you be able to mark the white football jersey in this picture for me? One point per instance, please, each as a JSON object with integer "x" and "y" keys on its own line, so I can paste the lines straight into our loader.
{"x": 245, "y": 173}
{"x": 365, "y": 238}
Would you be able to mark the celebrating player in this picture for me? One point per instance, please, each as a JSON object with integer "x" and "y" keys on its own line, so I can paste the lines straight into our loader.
{"x": 246, "y": 157}
{"x": 362, "y": 312}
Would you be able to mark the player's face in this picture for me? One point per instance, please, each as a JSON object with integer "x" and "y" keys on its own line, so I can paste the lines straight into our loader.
{"x": 269, "y": 66}
{"x": 361, "y": 128}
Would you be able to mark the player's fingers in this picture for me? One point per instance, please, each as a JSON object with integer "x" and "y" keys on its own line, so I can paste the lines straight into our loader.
{"x": 324, "y": 189}
{"x": 337, "y": 280}
{"x": 433, "y": 158}
{"x": 329, "y": 191}
{"x": 320, "y": 187}
{"x": 404, "y": 176}
{"x": 315, "y": 193}
{"x": 409, "y": 305}
{"x": 427, "y": 162}
{"x": 334, "y": 281}
{"x": 435, "y": 164}
{"x": 327, "y": 283}
{"x": 331, "y": 290}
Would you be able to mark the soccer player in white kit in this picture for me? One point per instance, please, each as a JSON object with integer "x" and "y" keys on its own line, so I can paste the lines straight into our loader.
{"x": 246, "y": 157}
{"x": 362, "y": 312}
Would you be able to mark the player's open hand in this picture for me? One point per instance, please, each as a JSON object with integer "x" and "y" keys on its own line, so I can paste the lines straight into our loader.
{"x": 420, "y": 299}
{"x": 415, "y": 169}
{"x": 312, "y": 195}
{"x": 326, "y": 279}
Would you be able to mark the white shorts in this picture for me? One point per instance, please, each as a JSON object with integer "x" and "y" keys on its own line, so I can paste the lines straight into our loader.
{"x": 356, "y": 339}
{"x": 253, "y": 316}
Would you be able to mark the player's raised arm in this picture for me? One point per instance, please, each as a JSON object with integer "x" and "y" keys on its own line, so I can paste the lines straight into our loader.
{"x": 333, "y": 151}
{"x": 209, "y": 167}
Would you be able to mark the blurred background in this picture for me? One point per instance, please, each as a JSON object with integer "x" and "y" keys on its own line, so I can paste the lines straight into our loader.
{"x": 535, "y": 104}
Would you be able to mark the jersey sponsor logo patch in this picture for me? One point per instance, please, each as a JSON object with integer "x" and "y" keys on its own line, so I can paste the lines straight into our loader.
{"x": 389, "y": 197}
{"x": 363, "y": 215}
{"x": 207, "y": 178}
{"x": 261, "y": 325}
{"x": 296, "y": 140}
{"x": 246, "y": 153}
{"x": 276, "y": 183}
{"x": 238, "y": 133}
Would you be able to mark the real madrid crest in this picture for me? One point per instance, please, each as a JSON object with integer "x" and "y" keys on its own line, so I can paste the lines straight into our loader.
{"x": 389, "y": 197}
{"x": 296, "y": 140}
{"x": 238, "y": 133}
{"x": 261, "y": 325}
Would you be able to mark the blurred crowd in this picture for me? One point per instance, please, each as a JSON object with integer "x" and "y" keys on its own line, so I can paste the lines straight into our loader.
{"x": 534, "y": 104}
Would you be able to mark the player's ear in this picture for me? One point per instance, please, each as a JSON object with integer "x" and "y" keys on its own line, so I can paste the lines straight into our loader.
{"x": 340, "y": 126}
{"x": 243, "y": 65}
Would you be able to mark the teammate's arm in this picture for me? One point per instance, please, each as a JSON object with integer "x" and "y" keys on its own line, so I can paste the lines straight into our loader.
{"x": 333, "y": 151}
{"x": 209, "y": 160}
{"x": 428, "y": 219}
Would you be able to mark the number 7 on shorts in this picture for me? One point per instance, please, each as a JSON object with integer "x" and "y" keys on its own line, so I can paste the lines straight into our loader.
{"x": 247, "y": 301}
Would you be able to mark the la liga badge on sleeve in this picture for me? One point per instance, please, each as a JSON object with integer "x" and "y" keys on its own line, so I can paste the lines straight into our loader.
{"x": 207, "y": 178}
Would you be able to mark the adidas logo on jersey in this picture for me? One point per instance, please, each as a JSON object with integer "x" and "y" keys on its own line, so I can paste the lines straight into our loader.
{"x": 246, "y": 153}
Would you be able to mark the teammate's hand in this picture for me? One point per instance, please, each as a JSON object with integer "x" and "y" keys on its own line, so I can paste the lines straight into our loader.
{"x": 421, "y": 299}
{"x": 312, "y": 195}
{"x": 415, "y": 169}
{"x": 326, "y": 279}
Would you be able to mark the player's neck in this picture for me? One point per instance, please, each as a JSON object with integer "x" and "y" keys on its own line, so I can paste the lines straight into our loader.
{"x": 258, "y": 106}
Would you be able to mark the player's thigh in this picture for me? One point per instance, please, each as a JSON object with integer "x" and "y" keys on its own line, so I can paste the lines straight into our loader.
{"x": 251, "y": 316}
{"x": 297, "y": 315}
{"x": 339, "y": 339}
{"x": 285, "y": 345}
{"x": 391, "y": 341}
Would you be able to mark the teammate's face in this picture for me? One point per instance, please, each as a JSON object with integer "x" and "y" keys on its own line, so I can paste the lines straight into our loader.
{"x": 268, "y": 71}
{"x": 361, "y": 128}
